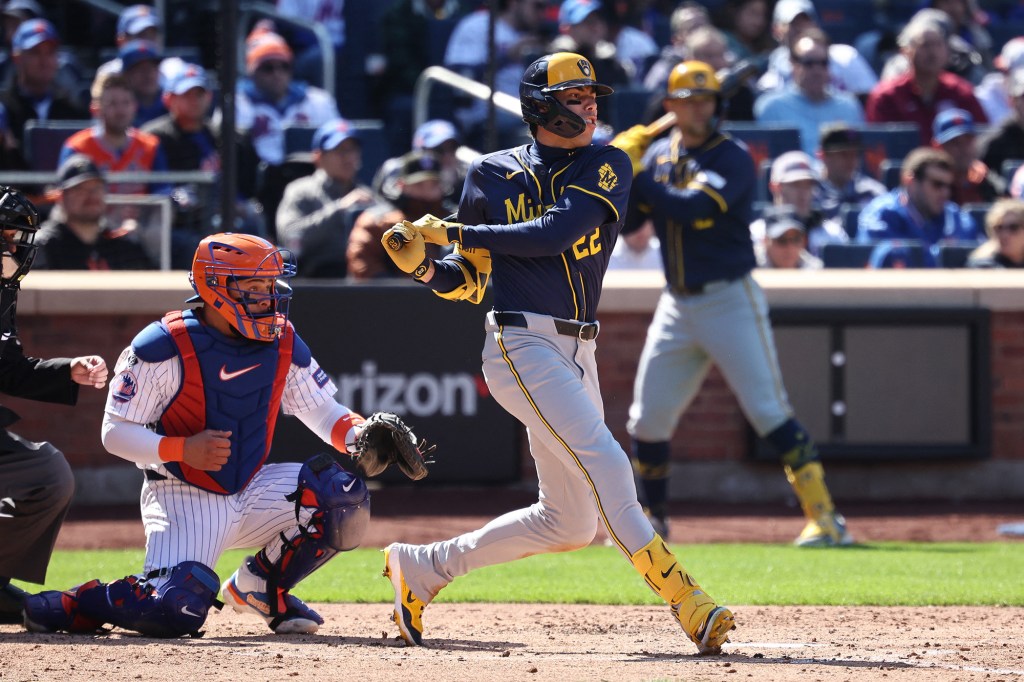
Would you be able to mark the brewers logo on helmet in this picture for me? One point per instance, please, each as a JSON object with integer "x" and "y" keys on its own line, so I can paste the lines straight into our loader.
{"x": 553, "y": 72}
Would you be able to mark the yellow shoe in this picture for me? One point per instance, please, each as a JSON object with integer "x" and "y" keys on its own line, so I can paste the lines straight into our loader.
{"x": 408, "y": 615}
{"x": 828, "y": 530}
{"x": 704, "y": 622}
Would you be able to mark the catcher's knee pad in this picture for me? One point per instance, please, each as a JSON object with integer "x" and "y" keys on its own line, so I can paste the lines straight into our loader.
{"x": 178, "y": 607}
{"x": 793, "y": 444}
{"x": 53, "y": 611}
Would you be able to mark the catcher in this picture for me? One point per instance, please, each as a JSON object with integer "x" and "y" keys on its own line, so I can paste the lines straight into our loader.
{"x": 193, "y": 404}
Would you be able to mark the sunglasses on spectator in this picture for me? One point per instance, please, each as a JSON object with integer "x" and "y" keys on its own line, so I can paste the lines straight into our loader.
{"x": 270, "y": 67}
{"x": 809, "y": 62}
{"x": 1012, "y": 228}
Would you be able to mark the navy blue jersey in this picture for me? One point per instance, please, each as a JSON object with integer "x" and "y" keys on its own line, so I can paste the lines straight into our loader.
{"x": 701, "y": 201}
{"x": 550, "y": 218}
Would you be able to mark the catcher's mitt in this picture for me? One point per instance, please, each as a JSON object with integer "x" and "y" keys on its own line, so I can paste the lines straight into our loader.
{"x": 384, "y": 440}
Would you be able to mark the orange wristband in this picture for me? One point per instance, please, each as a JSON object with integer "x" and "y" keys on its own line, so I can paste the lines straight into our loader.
{"x": 172, "y": 449}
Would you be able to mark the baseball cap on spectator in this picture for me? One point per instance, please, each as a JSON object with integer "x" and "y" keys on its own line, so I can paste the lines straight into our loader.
{"x": 138, "y": 51}
{"x": 331, "y": 134}
{"x": 23, "y": 9}
{"x": 573, "y": 12}
{"x": 433, "y": 134}
{"x": 418, "y": 166}
{"x": 75, "y": 170}
{"x": 793, "y": 167}
{"x": 188, "y": 77}
{"x": 788, "y": 10}
{"x": 951, "y": 124}
{"x": 32, "y": 33}
{"x": 1011, "y": 56}
{"x": 136, "y": 19}
{"x": 264, "y": 48}
{"x": 778, "y": 220}
{"x": 838, "y": 137}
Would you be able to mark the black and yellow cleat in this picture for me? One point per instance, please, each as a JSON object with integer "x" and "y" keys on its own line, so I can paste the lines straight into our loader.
{"x": 408, "y": 614}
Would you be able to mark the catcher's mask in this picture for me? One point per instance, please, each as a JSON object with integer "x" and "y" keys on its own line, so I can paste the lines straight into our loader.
{"x": 19, "y": 222}
{"x": 223, "y": 262}
{"x": 693, "y": 78}
{"x": 559, "y": 71}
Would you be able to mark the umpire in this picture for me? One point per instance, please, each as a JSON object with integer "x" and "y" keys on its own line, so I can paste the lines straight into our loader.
{"x": 36, "y": 483}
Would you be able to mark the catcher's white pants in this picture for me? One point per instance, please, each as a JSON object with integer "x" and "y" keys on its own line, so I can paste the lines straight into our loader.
{"x": 186, "y": 523}
{"x": 549, "y": 383}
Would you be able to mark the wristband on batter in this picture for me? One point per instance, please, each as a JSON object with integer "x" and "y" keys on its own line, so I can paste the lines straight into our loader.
{"x": 171, "y": 449}
{"x": 343, "y": 431}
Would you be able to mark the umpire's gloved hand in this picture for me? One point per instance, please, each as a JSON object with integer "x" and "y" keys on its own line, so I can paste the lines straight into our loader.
{"x": 634, "y": 142}
{"x": 435, "y": 230}
{"x": 406, "y": 247}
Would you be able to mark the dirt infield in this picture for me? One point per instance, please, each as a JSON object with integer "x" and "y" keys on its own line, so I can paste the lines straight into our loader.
{"x": 542, "y": 642}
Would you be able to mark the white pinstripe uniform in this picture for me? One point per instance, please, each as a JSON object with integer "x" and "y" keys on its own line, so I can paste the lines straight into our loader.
{"x": 184, "y": 522}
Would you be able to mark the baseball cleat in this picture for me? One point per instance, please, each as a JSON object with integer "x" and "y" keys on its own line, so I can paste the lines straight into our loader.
{"x": 660, "y": 525}
{"x": 408, "y": 614}
{"x": 828, "y": 530}
{"x": 245, "y": 592}
{"x": 704, "y": 622}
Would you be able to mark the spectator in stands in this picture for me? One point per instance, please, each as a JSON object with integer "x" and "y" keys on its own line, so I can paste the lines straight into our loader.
{"x": 848, "y": 70}
{"x": 77, "y": 235}
{"x": 792, "y": 183}
{"x": 809, "y": 102}
{"x": 927, "y": 88}
{"x": 440, "y": 138}
{"x": 686, "y": 19}
{"x": 745, "y": 23}
{"x": 964, "y": 16}
{"x": 140, "y": 65}
{"x": 633, "y": 43}
{"x": 316, "y": 212}
{"x": 33, "y": 94}
{"x": 517, "y": 42}
{"x": 141, "y": 22}
{"x": 268, "y": 100}
{"x": 419, "y": 192}
{"x": 1004, "y": 225}
{"x": 409, "y": 41}
{"x": 920, "y": 209}
{"x": 1006, "y": 141}
{"x": 637, "y": 250}
{"x": 994, "y": 93}
{"x": 842, "y": 183}
{"x": 584, "y": 31}
{"x": 308, "y": 65}
{"x": 962, "y": 59}
{"x": 112, "y": 143}
{"x": 973, "y": 181}
{"x": 785, "y": 242}
{"x": 13, "y": 14}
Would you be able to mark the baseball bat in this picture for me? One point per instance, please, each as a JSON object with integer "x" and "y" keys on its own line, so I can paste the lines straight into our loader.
{"x": 661, "y": 125}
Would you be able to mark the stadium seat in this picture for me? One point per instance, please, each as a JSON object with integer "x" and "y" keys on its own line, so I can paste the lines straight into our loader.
{"x": 883, "y": 141}
{"x": 846, "y": 255}
{"x": 44, "y": 139}
{"x": 764, "y": 141}
{"x": 844, "y": 20}
{"x": 978, "y": 213}
{"x": 848, "y": 215}
{"x": 954, "y": 255}
{"x": 900, "y": 254}
{"x": 891, "y": 170}
{"x": 764, "y": 172}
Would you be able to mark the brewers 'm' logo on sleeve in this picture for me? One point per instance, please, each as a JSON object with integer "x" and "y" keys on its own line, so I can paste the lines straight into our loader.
{"x": 606, "y": 178}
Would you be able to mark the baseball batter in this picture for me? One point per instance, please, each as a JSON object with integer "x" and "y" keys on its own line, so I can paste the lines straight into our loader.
{"x": 543, "y": 219}
{"x": 193, "y": 404}
{"x": 698, "y": 185}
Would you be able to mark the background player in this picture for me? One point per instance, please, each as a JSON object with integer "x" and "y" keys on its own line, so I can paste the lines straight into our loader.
{"x": 36, "y": 483}
{"x": 548, "y": 214}
{"x": 211, "y": 381}
{"x": 698, "y": 185}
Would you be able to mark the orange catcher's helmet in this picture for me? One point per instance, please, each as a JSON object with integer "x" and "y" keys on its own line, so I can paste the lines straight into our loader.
{"x": 222, "y": 261}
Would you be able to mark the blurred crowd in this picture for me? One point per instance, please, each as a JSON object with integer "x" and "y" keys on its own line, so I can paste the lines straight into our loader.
{"x": 99, "y": 100}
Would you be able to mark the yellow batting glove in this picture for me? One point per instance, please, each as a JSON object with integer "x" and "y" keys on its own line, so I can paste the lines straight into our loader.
{"x": 433, "y": 229}
{"x": 634, "y": 142}
{"x": 405, "y": 246}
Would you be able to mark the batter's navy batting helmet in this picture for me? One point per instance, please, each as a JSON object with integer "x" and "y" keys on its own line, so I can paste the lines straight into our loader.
{"x": 553, "y": 72}
{"x": 224, "y": 260}
{"x": 19, "y": 222}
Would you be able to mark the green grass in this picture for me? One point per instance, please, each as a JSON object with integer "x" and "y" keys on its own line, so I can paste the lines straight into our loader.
{"x": 911, "y": 574}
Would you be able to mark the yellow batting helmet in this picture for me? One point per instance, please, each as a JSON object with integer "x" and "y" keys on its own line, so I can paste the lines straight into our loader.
{"x": 692, "y": 78}
{"x": 559, "y": 71}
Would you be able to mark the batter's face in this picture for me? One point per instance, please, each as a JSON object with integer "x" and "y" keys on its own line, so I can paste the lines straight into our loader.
{"x": 582, "y": 102}
{"x": 694, "y": 116}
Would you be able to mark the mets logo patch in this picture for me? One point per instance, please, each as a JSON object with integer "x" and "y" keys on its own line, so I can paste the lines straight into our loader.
{"x": 606, "y": 178}
{"x": 125, "y": 387}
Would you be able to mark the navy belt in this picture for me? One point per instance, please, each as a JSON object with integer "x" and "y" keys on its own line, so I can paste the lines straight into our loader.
{"x": 154, "y": 476}
{"x": 585, "y": 331}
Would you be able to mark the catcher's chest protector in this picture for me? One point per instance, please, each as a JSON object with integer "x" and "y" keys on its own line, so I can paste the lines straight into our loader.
{"x": 229, "y": 385}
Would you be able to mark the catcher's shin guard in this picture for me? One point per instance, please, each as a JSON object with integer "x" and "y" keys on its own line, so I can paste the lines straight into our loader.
{"x": 53, "y": 611}
{"x": 706, "y": 623}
